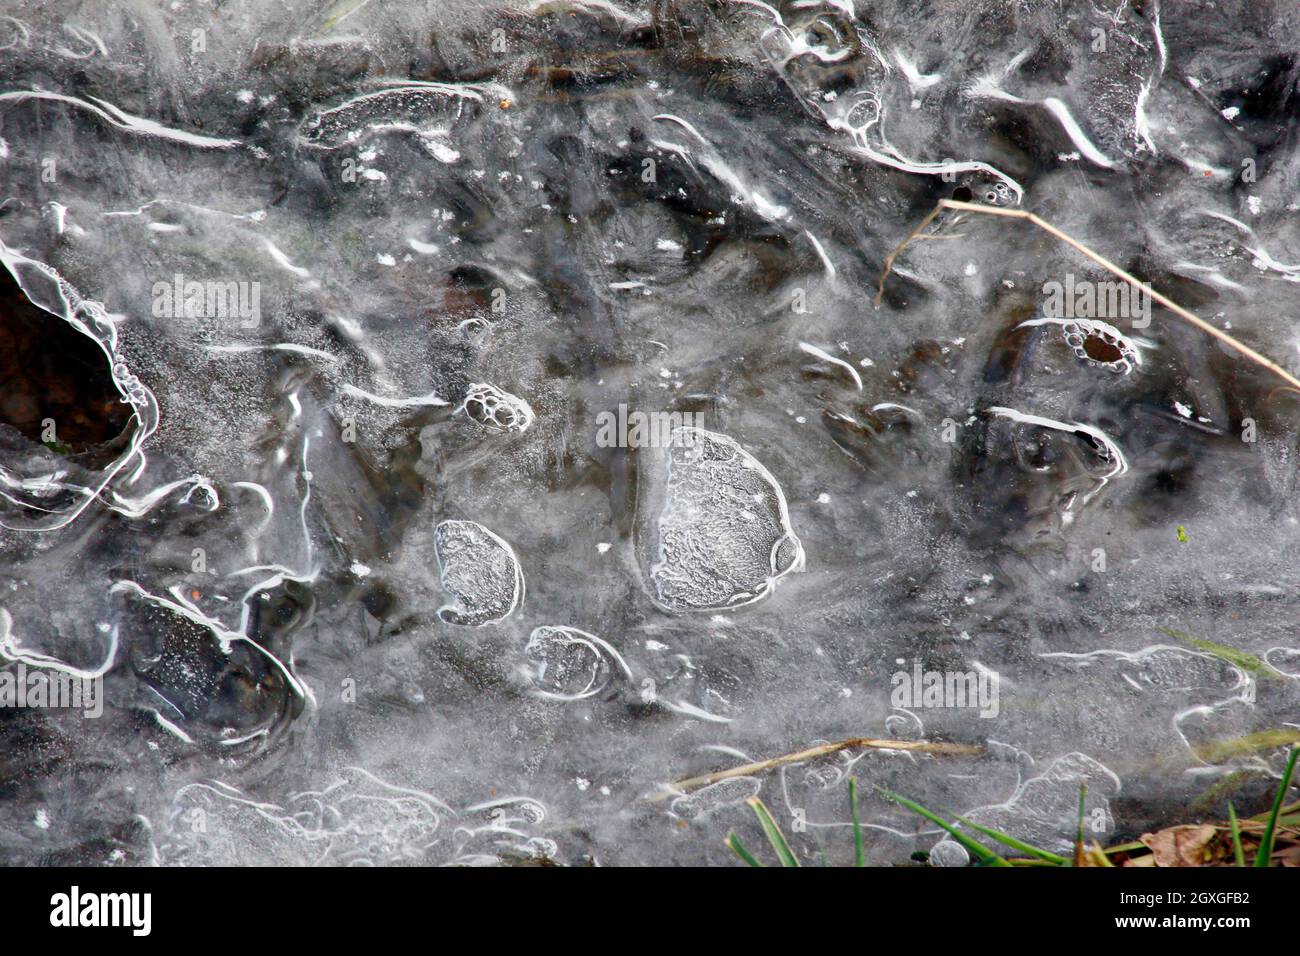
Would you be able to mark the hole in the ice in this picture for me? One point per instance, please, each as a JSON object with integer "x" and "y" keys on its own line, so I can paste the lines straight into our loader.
{"x": 1100, "y": 349}
{"x": 963, "y": 194}
{"x": 1095, "y": 444}
{"x": 1100, "y": 344}
{"x": 57, "y": 386}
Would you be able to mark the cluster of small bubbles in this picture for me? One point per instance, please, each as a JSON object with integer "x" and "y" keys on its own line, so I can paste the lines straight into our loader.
{"x": 1100, "y": 344}
{"x": 999, "y": 194}
{"x": 490, "y": 406}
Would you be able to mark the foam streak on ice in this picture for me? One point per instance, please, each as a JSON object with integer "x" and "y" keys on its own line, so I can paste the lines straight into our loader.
{"x": 115, "y": 117}
{"x": 815, "y": 352}
{"x": 12, "y": 652}
{"x": 988, "y": 88}
{"x": 1119, "y": 464}
{"x": 414, "y": 401}
{"x": 718, "y": 168}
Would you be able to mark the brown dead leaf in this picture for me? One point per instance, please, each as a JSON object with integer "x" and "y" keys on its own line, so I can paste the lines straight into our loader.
{"x": 1146, "y": 859}
{"x": 1181, "y": 845}
{"x": 1287, "y": 856}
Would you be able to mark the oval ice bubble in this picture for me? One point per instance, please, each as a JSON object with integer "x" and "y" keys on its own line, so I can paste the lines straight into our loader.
{"x": 721, "y": 535}
{"x": 568, "y": 664}
{"x": 480, "y": 571}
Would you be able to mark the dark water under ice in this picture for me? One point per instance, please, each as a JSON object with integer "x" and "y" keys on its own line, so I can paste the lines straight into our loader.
{"x": 312, "y": 316}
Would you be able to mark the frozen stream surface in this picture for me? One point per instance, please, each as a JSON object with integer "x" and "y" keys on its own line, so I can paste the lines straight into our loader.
{"x": 314, "y": 319}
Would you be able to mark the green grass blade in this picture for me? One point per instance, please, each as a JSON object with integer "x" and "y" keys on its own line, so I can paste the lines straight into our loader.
{"x": 1008, "y": 840}
{"x": 1263, "y": 817}
{"x": 1126, "y": 848}
{"x": 738, "y": 848}
{"x": 1098, "y": 855}
{"x": 1243, "y": 659}
{"x": 982, "y": 853}
{"x": 773, "y": 833}
{"x": 1265, "y": 852}
{"x": 1079, "y": 857}
{"x": 1237, "y": 852}
{"x": 859, "y": 854}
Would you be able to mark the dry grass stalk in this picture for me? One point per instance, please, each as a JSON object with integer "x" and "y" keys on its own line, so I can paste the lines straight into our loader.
{"x": 811, "y": 753}
{"x": 1101, "y": 260}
